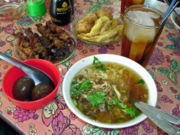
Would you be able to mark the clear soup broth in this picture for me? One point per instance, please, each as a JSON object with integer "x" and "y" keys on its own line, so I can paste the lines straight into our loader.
{"x": 108, "y": 95}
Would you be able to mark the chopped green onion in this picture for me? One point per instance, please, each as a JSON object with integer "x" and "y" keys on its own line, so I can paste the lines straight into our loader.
{"x": 98, "y": 65}
{"x": 132, "y": 111}
{"x": 124, "y": 91}
{"x": 115, "y": 102}
{"x": 109, "y": 107}
{"x": 75, "y": 102}
{"x": 141, "y": 81}
{"x": 112, "y": 102}
{"x": 121, "y": 105}
{"x": 85, "y": 85}
{"x": 77, "y": 88}
{"x": 97, "y": 98}
{"x": 74, "y": 82}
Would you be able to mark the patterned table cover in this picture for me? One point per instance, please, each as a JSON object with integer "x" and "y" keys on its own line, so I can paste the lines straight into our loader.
{"x": 56, "y": 118}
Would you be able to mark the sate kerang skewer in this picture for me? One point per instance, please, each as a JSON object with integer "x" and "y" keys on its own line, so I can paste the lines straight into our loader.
{"x": 49, "y": 42}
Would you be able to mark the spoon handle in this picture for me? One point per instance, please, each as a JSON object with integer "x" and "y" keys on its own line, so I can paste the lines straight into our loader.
{"x": 32, "y": 72}
{"x": 171, "y": 118}
{"x": 15, "y": 62}
{"x": 160, "y": 118}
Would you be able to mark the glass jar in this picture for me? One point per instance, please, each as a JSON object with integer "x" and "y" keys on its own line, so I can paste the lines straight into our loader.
{"x": 11, "y": 9}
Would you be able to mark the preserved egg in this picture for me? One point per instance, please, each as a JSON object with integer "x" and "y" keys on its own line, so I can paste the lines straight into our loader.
{"x": 41, "y": 90}
{"x": 22, "y": 88}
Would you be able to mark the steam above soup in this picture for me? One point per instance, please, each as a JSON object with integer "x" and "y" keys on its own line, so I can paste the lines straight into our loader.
{"x": 106, "y": 92}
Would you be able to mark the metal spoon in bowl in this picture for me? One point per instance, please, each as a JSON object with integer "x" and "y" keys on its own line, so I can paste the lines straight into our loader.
{"x": 162, "y": 119}
{"x": 35, "y": 74}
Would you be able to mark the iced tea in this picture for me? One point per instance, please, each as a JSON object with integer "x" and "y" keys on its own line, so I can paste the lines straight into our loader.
{"x": 140, "y": 33}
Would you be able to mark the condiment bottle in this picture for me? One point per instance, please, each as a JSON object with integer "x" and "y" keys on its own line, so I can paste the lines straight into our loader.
{"x": 60, "y": 11}
{"x": 36, "y": 7}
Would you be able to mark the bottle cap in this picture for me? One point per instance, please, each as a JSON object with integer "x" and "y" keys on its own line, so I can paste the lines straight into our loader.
{"x": 36, "y": 7}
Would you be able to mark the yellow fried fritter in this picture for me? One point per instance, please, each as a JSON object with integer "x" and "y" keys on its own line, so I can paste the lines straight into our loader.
{"x": 99, "y": 27}
{"x": 103, "y": 12}
{"x": 84, "y": 25}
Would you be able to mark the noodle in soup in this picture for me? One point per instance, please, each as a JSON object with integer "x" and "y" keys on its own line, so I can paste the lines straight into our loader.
{"x": 106, "y": 92}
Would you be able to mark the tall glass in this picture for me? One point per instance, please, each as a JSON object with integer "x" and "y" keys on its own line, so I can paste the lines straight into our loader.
{"x": 127, "y": 3}
{"x": 140, "y": 33}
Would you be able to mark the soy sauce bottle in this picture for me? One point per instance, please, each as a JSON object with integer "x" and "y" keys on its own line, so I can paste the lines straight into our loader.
{"x": 60, "y": 12}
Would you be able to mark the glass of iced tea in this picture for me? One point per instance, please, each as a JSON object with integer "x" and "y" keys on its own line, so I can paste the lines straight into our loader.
{"x": 127, "y": 3}
{"x": 140, "y": 33}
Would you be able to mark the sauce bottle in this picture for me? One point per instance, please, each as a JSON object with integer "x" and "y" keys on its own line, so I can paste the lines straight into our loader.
{"x": 60, "y": 11}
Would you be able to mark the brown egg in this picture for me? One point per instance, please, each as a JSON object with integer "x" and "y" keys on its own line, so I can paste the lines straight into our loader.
{"x": 41, "y": 90}
{"x": 22, "y": 88}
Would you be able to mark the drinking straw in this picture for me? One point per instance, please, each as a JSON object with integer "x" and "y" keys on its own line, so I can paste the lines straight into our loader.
{"x": 169, "y": 10}
{"x": 167, "y": 2}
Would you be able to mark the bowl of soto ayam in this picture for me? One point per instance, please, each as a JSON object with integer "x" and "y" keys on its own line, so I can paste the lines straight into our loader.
{"x": 102, "y": 89}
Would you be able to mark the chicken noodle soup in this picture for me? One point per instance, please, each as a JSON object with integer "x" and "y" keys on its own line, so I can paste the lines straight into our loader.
{"x": 106, "y": 92}
{"x": 141, "y": 31}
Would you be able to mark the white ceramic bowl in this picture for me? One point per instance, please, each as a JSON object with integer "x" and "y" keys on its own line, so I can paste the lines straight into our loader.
{"x": 173, "y": 15}
{"x": 152, "y": 90}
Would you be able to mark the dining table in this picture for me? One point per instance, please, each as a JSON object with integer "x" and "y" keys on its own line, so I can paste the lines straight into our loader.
{"x": 56, "y": 118}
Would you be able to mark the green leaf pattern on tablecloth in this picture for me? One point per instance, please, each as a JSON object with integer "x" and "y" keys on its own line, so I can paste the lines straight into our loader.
{"x": 97, "y": 5}
{"x": 32, "y": 129}
{"x": 163, "y": 71}
{"x": 10, "y": 110}
{"x": 27, "y": 20}
{"x": 9, "y": 52}
{"x": 172, "y": 72}
{"x": 173, "y": 47}
{"x": 172, "y": 77}
{"x": 169, "y": 25}
{"x": 92, "y": 130}
{"x": 175, "y": 66}
{"x": 175, "y": 44}
{"x": 66, "y": 64}
{"x": 10, "y": 38}
{"x": 152, "y": 74}
{"x": 177, "y": 96}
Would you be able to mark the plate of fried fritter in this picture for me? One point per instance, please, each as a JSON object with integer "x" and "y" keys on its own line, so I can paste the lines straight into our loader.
{"x": 99, "y": 28}
{"x": 46, "y": 41}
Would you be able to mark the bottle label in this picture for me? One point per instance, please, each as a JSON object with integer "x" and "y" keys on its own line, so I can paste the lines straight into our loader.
{"x": 56, "y": 20}
{"x": 64, "y": 8}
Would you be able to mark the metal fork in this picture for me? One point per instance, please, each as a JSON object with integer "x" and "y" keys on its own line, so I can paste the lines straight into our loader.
{"x": 162, "y": 119}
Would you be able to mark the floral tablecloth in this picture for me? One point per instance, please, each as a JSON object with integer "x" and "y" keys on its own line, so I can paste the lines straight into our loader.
{"x": 56, "y": 118}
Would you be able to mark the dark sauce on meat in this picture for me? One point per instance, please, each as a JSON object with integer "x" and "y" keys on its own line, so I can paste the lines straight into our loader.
{"x": 50, "y": 43}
